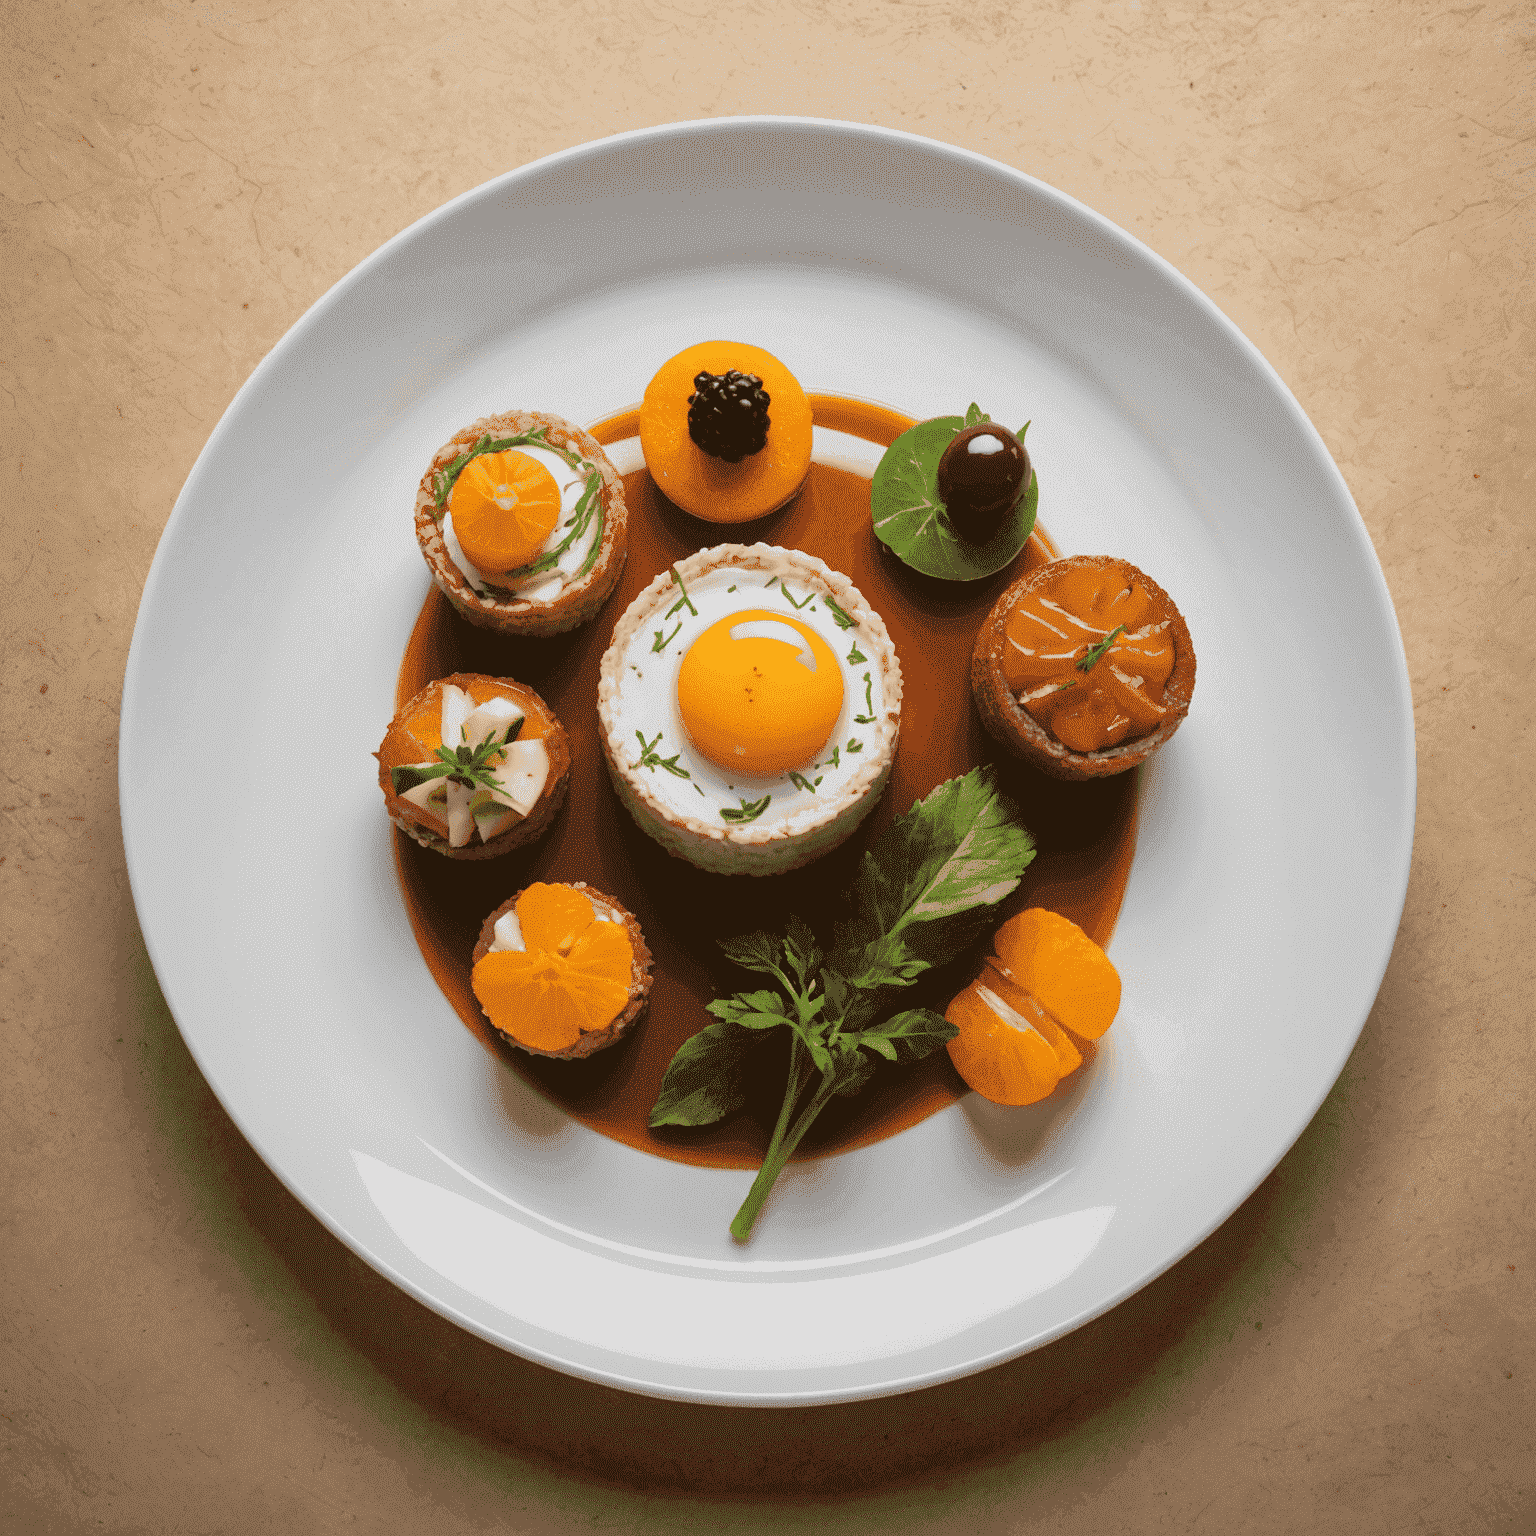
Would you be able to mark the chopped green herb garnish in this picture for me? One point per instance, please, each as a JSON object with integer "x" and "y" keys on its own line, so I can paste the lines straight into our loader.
{"x": 750, "y": 811}
{"x": 650, "y": 758}
{"x": 732, "y": 587}
{"x": 839, "y": 617}
{"x": 868, "y": 717}
{"x": 684, "y": 598}
{"x": 835, "y": 752}
{"x": 1061, "y": 687}
{"x": 854, "y": 745}
{"x": 658, "y": 643}
{"x": 801, "y": 782}
{"x": 855, "y": 655}
{"x": 924, "y": 892}
{"x": 791, "y": 596}
{"x": 1095, "y": 654}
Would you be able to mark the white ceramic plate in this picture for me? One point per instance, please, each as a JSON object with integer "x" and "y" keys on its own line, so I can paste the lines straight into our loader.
{"x": 1276, "y": 828}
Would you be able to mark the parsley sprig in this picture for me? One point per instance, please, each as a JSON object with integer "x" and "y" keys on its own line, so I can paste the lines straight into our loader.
{"x": 924, "y": 892}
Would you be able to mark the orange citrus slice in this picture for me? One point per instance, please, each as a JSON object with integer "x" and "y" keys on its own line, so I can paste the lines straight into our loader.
{"x": 573, "y": 978}
{"x": 504, "y": 505}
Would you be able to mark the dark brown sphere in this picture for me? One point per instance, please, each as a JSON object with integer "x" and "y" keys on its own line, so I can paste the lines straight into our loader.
{"x": 979, "y": 485}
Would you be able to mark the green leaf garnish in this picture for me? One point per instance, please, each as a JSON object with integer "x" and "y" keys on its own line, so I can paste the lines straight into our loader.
{"x": 923, "y": 892}
{"x": 791, "y": 596}
{"x": 1095, "y": 653}
{"x": 801, "y": 782}
{"x": 706, "y": 1079}
{"x": 750, "y": 810}
{"x": 923, "y": 888}
{"x": 660, "y": 644}
{"x": 650, "y": 758}
{"x": 854, "y": 745}
{"x": 855, "y": 655}
{"x": 910, "y": 519}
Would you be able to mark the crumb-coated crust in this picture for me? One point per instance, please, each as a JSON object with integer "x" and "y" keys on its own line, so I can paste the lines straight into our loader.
{"x": 414, "y": 823}
{"x": 579, "y": 601}
{"x": 752, "y": 849}
{"x": 639, "y": 975}
{"x": 1011, "y": 724}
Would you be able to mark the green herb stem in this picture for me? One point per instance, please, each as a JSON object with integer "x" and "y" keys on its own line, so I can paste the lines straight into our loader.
{"x": 786, "y": 1138}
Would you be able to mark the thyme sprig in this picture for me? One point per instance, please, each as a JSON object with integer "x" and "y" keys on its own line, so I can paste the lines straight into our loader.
{"x": 464, "y": 764}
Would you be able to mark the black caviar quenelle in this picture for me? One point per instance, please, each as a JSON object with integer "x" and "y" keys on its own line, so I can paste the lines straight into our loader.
{"x": 728, "y": 414}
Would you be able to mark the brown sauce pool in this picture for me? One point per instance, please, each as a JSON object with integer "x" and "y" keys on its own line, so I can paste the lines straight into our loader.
{"x": 1085, "y": 833}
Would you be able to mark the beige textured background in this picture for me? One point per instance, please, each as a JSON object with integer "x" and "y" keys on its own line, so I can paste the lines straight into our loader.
{"x": 183, "y": 1349}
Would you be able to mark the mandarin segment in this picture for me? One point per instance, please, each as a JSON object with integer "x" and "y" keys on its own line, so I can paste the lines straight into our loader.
{"x": 1047, "y": 978}
{"x": 1052, "y": 958}
{"x": 523, "y": 998}
{"x": 1004, "y": 1059}
{"x": 553, "y": 918}
{"x": 997, "y": 981}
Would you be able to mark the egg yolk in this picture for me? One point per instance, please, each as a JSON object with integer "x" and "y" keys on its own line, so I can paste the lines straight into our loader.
{"x": 504, "y": 505}
{"x": 760, "y": 693}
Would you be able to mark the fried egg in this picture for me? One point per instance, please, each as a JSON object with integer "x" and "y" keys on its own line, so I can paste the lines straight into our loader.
{"x": 750, "y": 705}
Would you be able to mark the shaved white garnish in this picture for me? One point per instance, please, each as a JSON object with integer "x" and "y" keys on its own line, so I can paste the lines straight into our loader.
{"x": 461, "y": 820}
{"x": 508, "y": 932}
{"x": 491, "y": 819}
{"x": 457, "y": 707}
{"x": 522, "y": 775}
{"x": 985, "y": 443}
{"x": 776, "y": 629}
{"x": 431, "y": 796}
{"x": 493, "y": 718}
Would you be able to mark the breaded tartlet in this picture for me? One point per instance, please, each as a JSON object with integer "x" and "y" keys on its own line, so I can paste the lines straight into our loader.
{"x": 1084, "y": 667}
{"x": 749, "y": 708}
{"x": 522, "y": 521}
{"x": 474, "y": 766}
{"x": 561, "y": 970}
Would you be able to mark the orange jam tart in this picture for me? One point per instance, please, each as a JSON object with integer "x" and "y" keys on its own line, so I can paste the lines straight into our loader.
{"x": 561, "y": 970}
{"x": 1088, "y": 655}
{"x": 1085, "y": 667}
